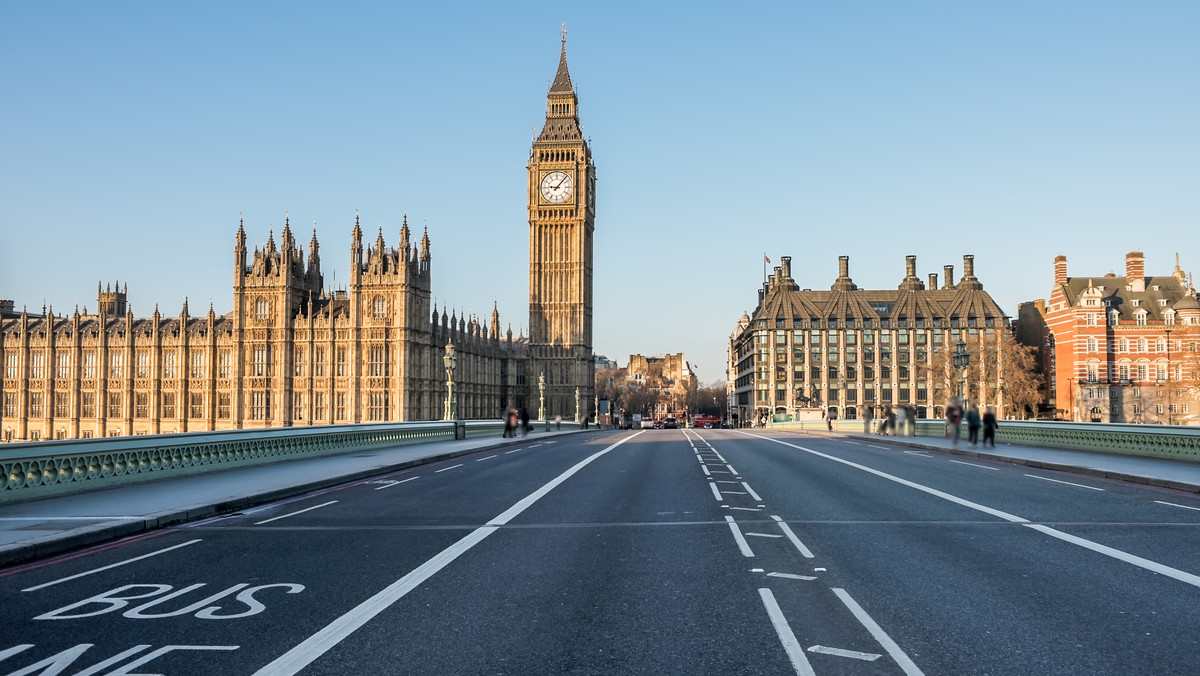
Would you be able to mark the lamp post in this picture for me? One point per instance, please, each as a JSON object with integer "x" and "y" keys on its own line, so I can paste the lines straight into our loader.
{"x": 450, "y": 361}
{"x": 577, "y": 407}
{"x": 962, "y": 359}
{"x": 542, "y": 395}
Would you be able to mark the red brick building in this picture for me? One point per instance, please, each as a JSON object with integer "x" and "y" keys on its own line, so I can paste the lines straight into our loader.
{"x": 1123, "y": 349}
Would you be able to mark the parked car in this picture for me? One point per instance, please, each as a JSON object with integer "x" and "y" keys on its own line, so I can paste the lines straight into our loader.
{"x": 670, "y": 424}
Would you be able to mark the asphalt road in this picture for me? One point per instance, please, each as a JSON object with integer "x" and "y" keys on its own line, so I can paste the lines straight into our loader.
{"x": 664, "y": 551}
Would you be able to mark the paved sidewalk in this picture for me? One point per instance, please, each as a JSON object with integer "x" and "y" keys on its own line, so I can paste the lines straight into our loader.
{"x": 52, "y": 525}
{"x": 1175, "y": 474}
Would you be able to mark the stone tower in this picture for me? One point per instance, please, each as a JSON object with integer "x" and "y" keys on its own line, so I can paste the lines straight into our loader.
{"x": 562, "y": 210}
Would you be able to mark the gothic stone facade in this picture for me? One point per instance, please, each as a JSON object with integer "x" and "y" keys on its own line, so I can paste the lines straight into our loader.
{"x": 291, "y": 353}
{"x": 853, "y": 352}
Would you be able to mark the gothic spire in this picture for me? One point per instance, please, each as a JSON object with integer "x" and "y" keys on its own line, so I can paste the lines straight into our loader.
{"x": 562, "y": 79}
{"x": 425, "y": 243}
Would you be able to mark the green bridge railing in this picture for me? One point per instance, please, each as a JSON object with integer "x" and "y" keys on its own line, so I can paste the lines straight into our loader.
{"x": 40, "y": 469}
{"x": 1177, "y": 442}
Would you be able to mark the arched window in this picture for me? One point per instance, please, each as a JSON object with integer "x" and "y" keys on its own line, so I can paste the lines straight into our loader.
{"x": 262, "y": 308}
{"x": 379, "y": 306}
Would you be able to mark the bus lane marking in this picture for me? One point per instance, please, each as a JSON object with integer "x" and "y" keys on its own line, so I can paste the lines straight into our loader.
{"x": 110, "y": 566}
{"x": 308, "y": 509}
{"x": 790, "y": 645}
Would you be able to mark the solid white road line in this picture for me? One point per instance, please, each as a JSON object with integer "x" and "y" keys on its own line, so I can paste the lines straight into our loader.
{"x": 878, "y": 446}
{"x": 719, "y": 455}
{"x": 790, "y": 645}
{"x": 447, "y": 469}
{"x": 960, "y": 462}
{"x": 847, "y": 441}
{"x": 111, "y": 565}
{"x": 751, "y": 492}
{"x": 321, "y": 642}
{"x": 789, "y": 576}
{"x": 1090, "y": 488}
{"x": 482, "y": 459}
{"x": 787, "y": 530}
{"x": 733, "y": 493}
{"x": 1172, "y": 504}
{"x": 396, "y": 483}
{"x": 716, "y": 493}
{"x": 765, "y": 535}
{"x": 737, "y": 535}
{"x": 880, "y": 635}
{"x": 918, "y": 454}
{"x": 853, "y": 654}
{"x": 1138, "y": 561}
{"x": 309, "y": 509}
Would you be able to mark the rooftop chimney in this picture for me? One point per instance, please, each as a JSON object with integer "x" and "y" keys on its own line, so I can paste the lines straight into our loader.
{"x": 843, "y": 281}
{"x": 968, "y": 266}
{"x": 911, "y": 281}
{"x": 933, "y": 281}
{"x": 949, "y": 270}
{"x": 1060, "y": 269}
{"x": 1135, "y": 271}
{"x": 787, "y": 266}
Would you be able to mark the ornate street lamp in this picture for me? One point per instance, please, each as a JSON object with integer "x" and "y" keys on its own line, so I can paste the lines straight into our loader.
{"x": 578, "y": 410}
{"x": 450, "y": 361}
{"x": 962, "y": 359}
{"x": 542, "y": 395}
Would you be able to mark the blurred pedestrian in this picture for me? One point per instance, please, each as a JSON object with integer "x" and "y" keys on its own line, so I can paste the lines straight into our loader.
{"x": 510, "y": 422}
{"x": 523, "y": 415}
{"x": 901, "y": 421}
{"x": 989, "y": 426}
{"x": 973, "y": 423}
{"x": 954, "y": 415}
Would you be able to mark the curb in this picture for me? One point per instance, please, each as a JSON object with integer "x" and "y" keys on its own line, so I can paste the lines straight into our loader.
{"x": 91, "y": 535}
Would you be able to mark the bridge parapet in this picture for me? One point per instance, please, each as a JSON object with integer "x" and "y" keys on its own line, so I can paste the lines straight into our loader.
{"x": 41, "y": 469}
{"x": 1176, "y": 442}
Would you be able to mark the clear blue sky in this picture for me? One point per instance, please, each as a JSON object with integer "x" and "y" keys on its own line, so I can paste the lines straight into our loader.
{"x": 135, "y": 132}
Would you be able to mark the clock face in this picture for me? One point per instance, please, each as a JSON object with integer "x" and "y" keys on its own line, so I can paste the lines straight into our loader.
{"x": 556, "y": 187}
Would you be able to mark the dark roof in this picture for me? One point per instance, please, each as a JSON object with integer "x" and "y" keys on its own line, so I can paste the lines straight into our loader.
{"x": 1116, "y": 295}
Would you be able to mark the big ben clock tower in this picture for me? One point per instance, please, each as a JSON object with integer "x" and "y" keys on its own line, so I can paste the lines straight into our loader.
{"x": 562, "y": 211}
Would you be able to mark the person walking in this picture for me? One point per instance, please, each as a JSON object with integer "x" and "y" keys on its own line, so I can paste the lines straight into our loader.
{"x": 989, "y": 426}
{"x": 954, "y": 415}
{"x": 912, "y": 420}
{"x": 523, "y": 416}
{"x": 973, "y": 423}
{"x": 510, "y": 423}
{"x": 890, "y": 421}
{"x": 901, "y": 422}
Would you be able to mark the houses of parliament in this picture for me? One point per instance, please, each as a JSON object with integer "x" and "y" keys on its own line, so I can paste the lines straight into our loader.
{"x": 293, "y": 353}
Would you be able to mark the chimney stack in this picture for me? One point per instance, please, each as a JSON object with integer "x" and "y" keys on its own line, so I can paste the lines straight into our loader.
{"x": 949, "y": 270}
{"x": 843, "y": 266}
{"x": 1135, "y": 271}
{"x": 933, "y": 281}
{"x": 968, "y": 267}
{"x": 910, "y": 266}
{"x": 787, "y": 266}
{"x": 1060, "y": 269}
